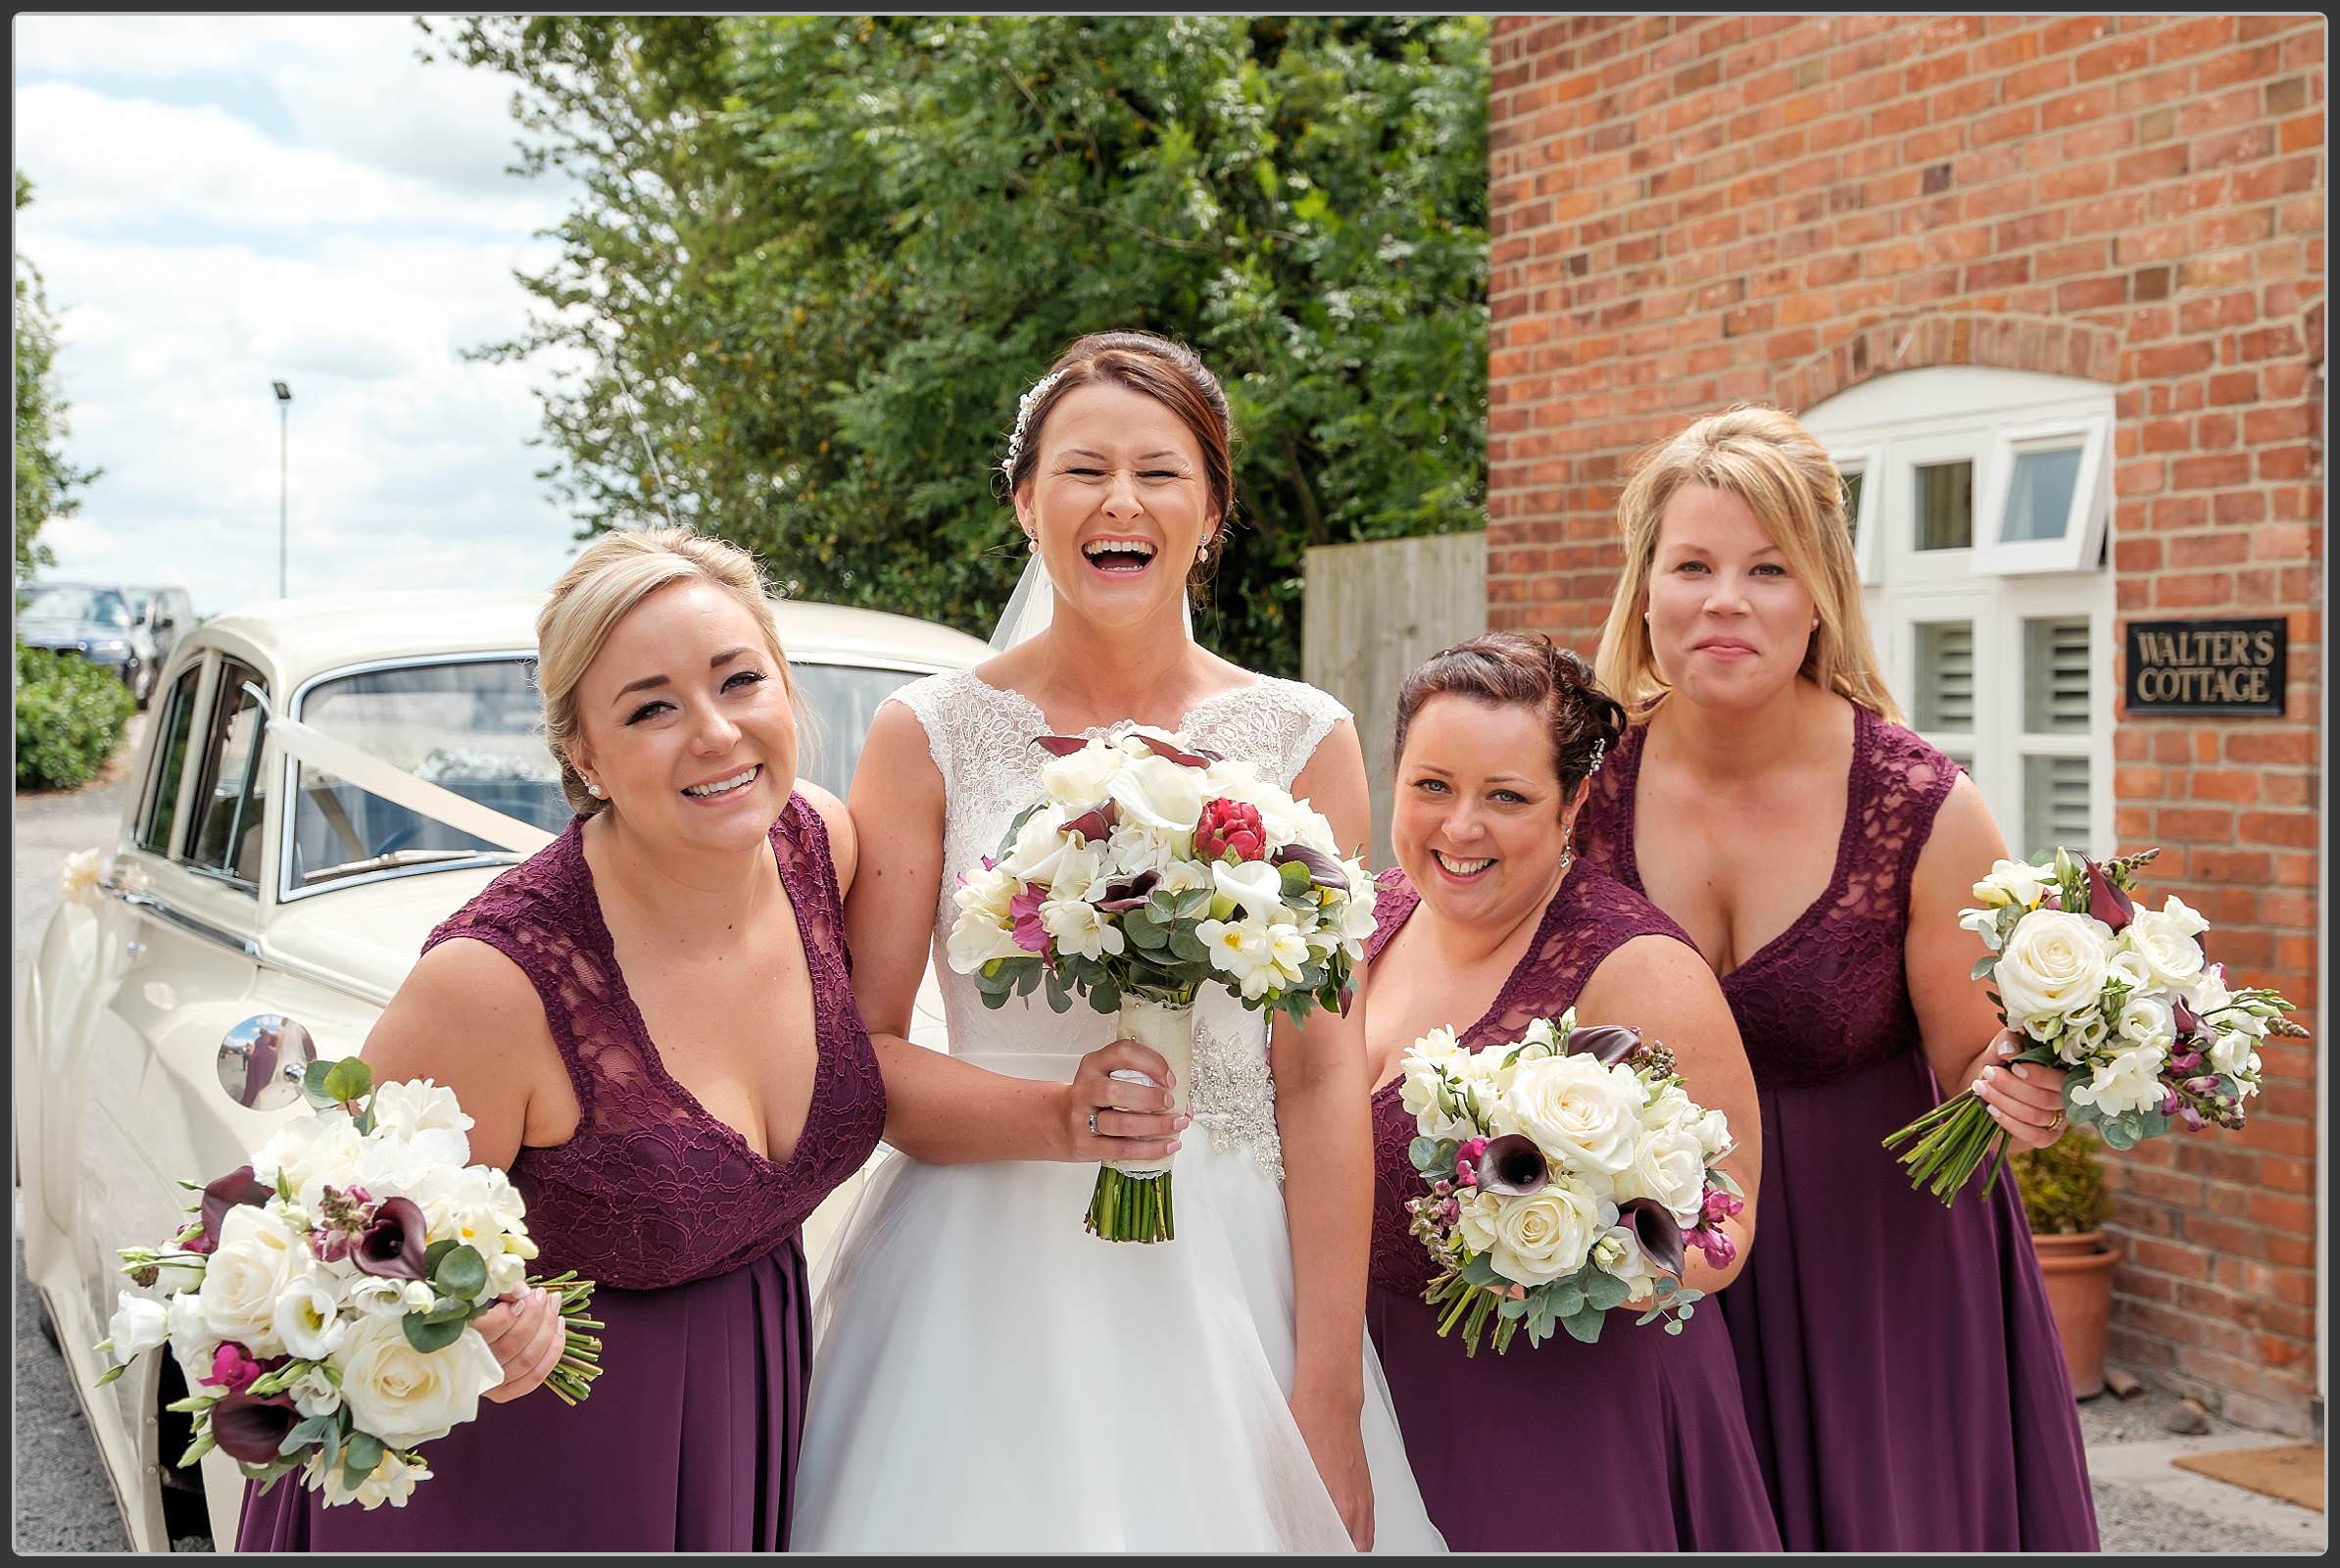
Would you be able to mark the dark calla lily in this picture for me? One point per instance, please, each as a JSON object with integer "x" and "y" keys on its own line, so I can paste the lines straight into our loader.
{"x": 253, "y": 1429}
{"x": 1606, "y": 1042}
{"x": 1128, "y": 894}
{"x": 2189, "y": 1022}
{"x": 392, "y": 1244}
{"x": 2106, "y": 900}
{"x": 1095, "y": 823}
{"x": 1061, "y": 744}
{"x": 1170, "y": 753}
{"x": 231, "y": 1191}
{"x": 1659, "y": 1232}
{"x": 1323, "y": 869}
{"x": 1348, "y": 994}
{"x": 1512, "y": 1166}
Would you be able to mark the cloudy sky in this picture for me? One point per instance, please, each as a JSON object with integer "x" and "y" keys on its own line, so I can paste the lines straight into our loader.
{"x": 224, "y": 202}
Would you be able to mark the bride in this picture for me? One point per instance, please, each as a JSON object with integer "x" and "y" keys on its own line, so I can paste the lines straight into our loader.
{"x": 988, "y": 1375}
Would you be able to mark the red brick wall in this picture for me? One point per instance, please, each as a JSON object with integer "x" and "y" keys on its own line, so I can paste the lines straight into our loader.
{"x": 1688, "y": 211}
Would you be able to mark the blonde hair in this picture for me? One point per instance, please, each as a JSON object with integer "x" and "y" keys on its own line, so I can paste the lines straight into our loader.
{"x": 614, "y": 575}
{"x": 1770, "y": 462}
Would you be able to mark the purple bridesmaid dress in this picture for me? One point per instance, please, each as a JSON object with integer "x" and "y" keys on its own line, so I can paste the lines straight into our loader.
{"x": 689, "y": 1440}
{"x": 1635, "y": 1443}
{"x": 1904, "y": 1380}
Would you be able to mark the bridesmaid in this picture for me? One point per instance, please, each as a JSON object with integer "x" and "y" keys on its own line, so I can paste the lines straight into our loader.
{"x": 1487, "y": 916}
{"x": 1903, "y": 1379}
{"x": 651, "y": 1024}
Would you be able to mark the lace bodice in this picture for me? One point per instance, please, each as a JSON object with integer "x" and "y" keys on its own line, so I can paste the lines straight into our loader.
{"x": 653, "y": 1190}
{"x": 1826, "y": 997}
{"x": 980, "y": 737}
{"x": 1590, "y": 916}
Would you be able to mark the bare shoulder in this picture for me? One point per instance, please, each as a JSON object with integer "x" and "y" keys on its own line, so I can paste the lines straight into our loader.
{"x": 1658, "y": 977}
{"x": 898, "y": 747}
{"x": 843, "y": 847}
{"x": 1964, "y": 842}
{"x": 464, "y": 1007}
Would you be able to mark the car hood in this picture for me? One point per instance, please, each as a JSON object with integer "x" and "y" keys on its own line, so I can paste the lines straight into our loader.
{"x": 369, "y": 935}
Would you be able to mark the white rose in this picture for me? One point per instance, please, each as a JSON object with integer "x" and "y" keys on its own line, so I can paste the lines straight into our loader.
{"x": 2209, "y": 993}
{"x": 312, "y": 1151}
{"x": 2054, "y": 967}
{"x": 1156, "y": 793}
{"x": 138, "y": 1326}
{"x": 1584, "y": 1116}
{"x": 249, "y": 1270}
{"x": 1256, "y": 887}
{"x": 377, "y": 1296}
{"x": 2131, "y": 1081}
{"x": 1079, "y": 780}
{"x": 1618, "y": 1250}
{"x": 2011, "y": 882}
{"x": 308, "y": 1318}
{"x": 1534, "y": 1239}
{"x": 1671, "y": 1167}
{"x": 1080, "y": 929}
{"x": 1668, "y": 1108}
{"x": 419, "y": 1166}
{"x": 2128, "y": 969}
{"x": 404, "y": 1395}
{"x": 403, "y": 1108}
{"x": 2165, "y": 940}
{"x": 2147, "y": 1019}
{"x": 1713, "y": 1132}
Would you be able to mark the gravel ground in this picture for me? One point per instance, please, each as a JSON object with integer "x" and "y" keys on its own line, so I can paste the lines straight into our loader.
{"x": 62, "y": 1503}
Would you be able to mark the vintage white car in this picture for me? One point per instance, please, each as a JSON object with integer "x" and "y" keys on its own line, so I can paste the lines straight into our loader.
{"x": 257, "y": 911}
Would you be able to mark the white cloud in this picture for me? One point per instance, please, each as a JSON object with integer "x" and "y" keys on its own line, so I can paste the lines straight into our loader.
{"x": 197, "y": 250}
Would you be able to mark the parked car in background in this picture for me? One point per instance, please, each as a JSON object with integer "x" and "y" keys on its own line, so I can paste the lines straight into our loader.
{"x": 166, "y": 613}
{"x": 255, "y": 912}
{"x": 97, "y": 622}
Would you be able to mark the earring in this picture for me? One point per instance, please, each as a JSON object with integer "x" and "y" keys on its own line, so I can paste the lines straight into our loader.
{"x": 593, "y": 790}
{"x": 1031, "y": 544}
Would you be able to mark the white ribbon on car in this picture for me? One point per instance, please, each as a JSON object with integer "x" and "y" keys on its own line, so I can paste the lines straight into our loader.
{"x": 397, "y": 786}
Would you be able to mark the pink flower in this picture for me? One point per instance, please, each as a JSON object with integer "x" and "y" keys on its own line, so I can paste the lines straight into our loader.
{"x": 1230, "y": 830}
{"x": 1720, "y": 1205}
{"x": 1473, "y": 1148}
{"x": 1030, "y": 934}
{"x": 233, "y": 1368}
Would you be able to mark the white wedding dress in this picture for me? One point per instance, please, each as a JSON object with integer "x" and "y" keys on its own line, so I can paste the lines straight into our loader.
{"x": 990, "y": 1377}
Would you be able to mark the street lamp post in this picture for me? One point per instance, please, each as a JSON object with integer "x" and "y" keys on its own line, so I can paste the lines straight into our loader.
{"x": 283, "y": 476}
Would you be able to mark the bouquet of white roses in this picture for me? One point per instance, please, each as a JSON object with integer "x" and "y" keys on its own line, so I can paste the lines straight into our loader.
{"x": 1144, "y": 871}
{"x": 1567, "y": 1174}
{"x": 320, "y": 1304}
{"x": 2119, "y": 996}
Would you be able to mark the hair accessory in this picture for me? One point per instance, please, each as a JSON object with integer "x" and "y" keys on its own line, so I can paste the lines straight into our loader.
{"x": 1023, "y": 413}
{"x": 1600, "y": 746}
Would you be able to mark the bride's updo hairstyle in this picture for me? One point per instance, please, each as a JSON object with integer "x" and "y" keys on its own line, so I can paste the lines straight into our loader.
{"x": 1785, "y": 478}
{"x": 614, "y": 575}
{"x": 1505, "y": 668}
{"x": 1170, "y": 373}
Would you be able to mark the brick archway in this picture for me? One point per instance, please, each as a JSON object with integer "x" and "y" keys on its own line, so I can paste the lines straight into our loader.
{"x": 1994, "y": 341}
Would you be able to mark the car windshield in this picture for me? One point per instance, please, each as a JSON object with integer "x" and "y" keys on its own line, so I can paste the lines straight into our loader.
{"x": 139, "y": 599}
{"x": 67, "y": 602}
{"x": 471, "y": 726}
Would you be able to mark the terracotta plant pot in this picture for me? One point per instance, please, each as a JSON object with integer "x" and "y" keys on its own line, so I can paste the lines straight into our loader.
{"x": 2078, "y": 1273}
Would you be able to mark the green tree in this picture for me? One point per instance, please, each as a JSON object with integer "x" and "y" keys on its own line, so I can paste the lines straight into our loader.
{"x": 45, "y": 480}
{"x": 813, "y": 260}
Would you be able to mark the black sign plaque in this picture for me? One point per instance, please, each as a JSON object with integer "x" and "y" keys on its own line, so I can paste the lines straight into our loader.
{"x": 2230, "y": 668}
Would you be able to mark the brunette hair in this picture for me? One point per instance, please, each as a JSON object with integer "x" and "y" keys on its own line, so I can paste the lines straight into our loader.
{"x": 1785, "y": 478}
{"x": 1167, "y": 371}
{"x": 614, "y": 575}
{"x": 1507, "y": 669}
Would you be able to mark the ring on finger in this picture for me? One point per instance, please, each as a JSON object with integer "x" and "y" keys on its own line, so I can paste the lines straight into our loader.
{"x": 1092, "y": 1132}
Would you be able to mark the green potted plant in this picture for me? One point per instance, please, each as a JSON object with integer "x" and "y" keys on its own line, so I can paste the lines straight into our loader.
{"x": 2066, "y": 1202}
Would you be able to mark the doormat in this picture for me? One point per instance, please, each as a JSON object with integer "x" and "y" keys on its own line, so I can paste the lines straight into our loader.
{"x": 2294, "y": 1474}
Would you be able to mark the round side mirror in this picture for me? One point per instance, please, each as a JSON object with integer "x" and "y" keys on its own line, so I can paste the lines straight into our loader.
{"x": 263, "y": 1060}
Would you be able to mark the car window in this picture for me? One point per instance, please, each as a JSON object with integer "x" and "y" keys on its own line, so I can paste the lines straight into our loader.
{"x": 67, "y": 602}
{"x": 138, "y": 602}
{"x": 470, "y": 726}
{"x": 171, "y": 761}
{"x": 228, "y": 802}
{"x": 841, "y": 700}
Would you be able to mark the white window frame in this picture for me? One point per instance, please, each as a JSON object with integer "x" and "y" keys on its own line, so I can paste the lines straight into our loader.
{"x": 2083, "y": 532}
{"x": 1887, "y": 427}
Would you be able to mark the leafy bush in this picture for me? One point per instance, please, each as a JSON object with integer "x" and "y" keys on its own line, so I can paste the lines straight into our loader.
{"x": 2064, "y": 1186}
{"x": 69, "y": 719}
